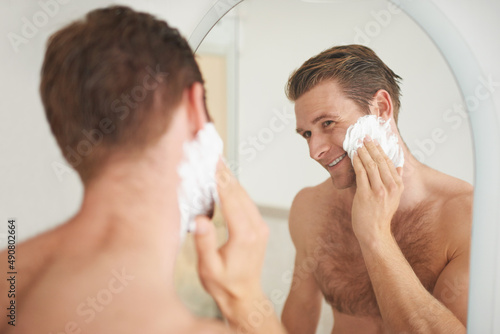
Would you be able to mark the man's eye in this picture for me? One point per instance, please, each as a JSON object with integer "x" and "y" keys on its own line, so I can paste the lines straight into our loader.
{"x": 306, "y": 134}
{"x": 326, "y": 123}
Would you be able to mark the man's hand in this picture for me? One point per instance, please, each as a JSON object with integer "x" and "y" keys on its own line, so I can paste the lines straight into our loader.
{"x": 404, "y": 303}
{"x": 379, "y": 188}
{"x": 231, "y": 273}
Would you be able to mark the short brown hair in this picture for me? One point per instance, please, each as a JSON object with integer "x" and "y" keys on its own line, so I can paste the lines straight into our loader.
{"x": 102, "y": 78}
{"x": 356, "y": 68}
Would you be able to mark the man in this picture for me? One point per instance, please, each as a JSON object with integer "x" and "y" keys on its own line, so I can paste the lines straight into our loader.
{"x": 129, "y": 84}
{"x": 387, "y": 248}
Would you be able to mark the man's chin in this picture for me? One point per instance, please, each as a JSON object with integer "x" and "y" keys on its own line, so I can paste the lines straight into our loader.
{"x": 342, "y": 183}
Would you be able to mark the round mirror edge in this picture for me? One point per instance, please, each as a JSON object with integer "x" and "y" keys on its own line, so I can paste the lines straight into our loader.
{"x": 484, "y": 126}
{"x": 207, "y": 23}
{"x": 218, "y": 10}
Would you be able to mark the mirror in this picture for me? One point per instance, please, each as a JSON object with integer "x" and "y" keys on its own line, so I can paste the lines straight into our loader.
{"x": 272, "y": 38}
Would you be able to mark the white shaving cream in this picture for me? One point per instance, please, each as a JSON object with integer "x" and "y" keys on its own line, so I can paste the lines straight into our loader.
{"x": 379, "y": 129}
{"x": 198, "y": 190}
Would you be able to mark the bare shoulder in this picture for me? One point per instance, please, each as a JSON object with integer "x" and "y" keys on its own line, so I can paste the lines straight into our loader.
{"x": 456, "y": 202}
{"x": 29, "y": 259}
{"x": 37, "y": 249}
{"x": 455, "y": 212}
{"x": 305, "y": 208}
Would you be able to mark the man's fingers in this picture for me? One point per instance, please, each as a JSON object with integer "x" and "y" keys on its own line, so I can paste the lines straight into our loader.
{"x": 361, "y": 176}
{"x": 396, "y": 173}
{"x": 239, "y": 211}
{"x": 385, "y": 165}
{"x": 230, "y": 194}
{"x": 228, "y": 186}
{"x": 371, "y": 168}
{"x": 225, "y": 178}
{"x": 205, "y": 237}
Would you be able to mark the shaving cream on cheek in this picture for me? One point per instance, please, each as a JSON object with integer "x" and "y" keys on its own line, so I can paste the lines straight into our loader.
{"x": 198, "y": 189}
{"x": 379, "y": 129}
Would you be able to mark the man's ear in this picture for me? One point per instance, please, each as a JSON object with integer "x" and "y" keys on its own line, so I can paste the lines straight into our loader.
{"x": 382, "y": 104}
{"x": 197, "y": 113}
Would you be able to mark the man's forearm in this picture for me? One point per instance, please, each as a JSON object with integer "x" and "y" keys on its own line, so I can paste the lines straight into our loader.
{"x": 404, "y": 303}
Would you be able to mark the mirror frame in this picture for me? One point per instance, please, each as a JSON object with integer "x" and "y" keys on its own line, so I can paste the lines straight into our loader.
{"x": 485, "y": 129}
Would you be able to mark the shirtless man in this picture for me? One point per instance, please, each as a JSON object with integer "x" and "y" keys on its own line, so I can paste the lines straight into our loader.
{"x": 388, "y": 249}
{"x": 109, "y": 269}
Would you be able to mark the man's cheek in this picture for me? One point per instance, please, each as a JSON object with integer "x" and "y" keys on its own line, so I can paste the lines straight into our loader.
{"x": 341, "y": 133}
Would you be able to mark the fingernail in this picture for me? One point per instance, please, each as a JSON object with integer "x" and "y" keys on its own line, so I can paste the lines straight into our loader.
{"x": 368, "y": 138}
{"x": 376, "y": 142}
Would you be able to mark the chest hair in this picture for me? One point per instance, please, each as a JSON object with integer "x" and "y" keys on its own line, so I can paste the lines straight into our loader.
{"x": 341, "y": 272}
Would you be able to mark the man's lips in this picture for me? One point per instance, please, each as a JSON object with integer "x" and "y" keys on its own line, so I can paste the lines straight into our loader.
{"x": 337, "y": 160}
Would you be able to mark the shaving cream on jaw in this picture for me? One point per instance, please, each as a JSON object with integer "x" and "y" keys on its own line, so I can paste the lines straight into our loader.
{"x": 379, "y": 129}
{"x": 198, "y": 189}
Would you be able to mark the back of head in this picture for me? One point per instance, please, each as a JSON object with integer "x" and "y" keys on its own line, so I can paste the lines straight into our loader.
{"x": 110, "y": 84}
{"x": 356, "y": 68}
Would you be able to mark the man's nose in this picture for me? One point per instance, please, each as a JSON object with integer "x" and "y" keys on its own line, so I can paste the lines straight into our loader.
{"x": 318, "y": 146}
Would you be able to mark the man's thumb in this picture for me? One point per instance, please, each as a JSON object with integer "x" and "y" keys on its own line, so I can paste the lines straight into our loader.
{"x": 206, "y": 246}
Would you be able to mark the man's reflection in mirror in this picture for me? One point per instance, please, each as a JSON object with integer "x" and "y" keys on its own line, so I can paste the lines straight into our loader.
{"x": 389, "y": 247}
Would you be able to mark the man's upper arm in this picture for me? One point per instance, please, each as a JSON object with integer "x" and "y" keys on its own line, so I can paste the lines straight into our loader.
{"x": 303, "y": 282}
{"x": 303, "y": 305}
{"x": 302, "y": 218}
{"x": 452, "y": 286}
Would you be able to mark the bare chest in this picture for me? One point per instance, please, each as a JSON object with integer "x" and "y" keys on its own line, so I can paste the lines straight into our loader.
{"x": 341, "y": 272}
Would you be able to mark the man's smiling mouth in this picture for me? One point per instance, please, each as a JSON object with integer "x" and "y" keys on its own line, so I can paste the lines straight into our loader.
{"x": 336, "y": 161}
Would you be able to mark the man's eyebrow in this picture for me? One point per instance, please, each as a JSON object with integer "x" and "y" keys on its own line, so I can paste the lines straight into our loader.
{"x": 326, "y": 115}
{"x": 319, "y": 118}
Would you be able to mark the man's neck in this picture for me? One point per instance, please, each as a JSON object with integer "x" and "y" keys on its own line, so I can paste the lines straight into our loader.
{"x": 414, "y": 179}
{"x": 133, "y": 206}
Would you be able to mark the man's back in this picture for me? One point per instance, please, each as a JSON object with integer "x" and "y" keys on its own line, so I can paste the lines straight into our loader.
{"x": 119, "y": 287}
{"x": 429, "y": 232}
